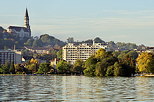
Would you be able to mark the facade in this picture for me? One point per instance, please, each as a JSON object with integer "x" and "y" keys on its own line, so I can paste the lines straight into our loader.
{"x": 54, "y": 62}
{"x": 9, "y": 56}
{"x": 21, "y": 31}
{"x": 72, "y": 52}
{"x": 39, "y": 50}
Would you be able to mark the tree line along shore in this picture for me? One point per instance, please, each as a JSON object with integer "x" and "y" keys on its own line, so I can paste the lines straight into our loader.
{"x": 103, "y": 63}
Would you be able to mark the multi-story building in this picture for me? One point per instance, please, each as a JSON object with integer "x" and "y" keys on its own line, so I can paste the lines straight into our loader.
{"x": 9, "y": 56}
{"x": 72, "y": 52}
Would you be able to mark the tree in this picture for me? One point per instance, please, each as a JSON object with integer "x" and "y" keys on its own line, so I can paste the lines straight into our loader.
{"x": 5, "y": 68}
{"x": 145, "y": 62}
{"x": 32, "y": 68}
{"x": 59, "y": 54}
{"x": 129, "y": 65}
{"x": 78, "y": 66}
{"x": 70, "y": 40}
{"x": 117, "y": 69}
{"x": 112, "y": 46}
{"x": 110, "y": 71}
{"x": 63, "y": 67}
{"x": 29, "y": 42}
{"x": 90, "y": 66}
{"x": 90, "y": 70}
{"x": 100, "y": 69}
{"x": 133, "y": 54}
{"x": 12, "y": 68}
{"x": 18, "y": 69}
{"x": 37, "y": 43}
{"x": 34, "y": 61}
{"x": 101, "y": 53}
{"x": 90, "y": 61}
{"x": 104, "y": 64}
{"x": 43, "y": 68}
{"x": 50, "y": 40}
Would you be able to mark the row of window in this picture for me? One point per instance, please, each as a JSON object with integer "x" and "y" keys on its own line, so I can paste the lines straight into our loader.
{"x": 75, "y": 59}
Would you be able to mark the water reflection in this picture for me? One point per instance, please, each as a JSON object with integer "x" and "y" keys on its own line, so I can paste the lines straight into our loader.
{"x": 76, "y": 88}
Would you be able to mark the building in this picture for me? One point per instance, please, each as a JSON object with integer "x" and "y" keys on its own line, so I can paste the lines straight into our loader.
{"x": 72, "y": 52}
{"x": 54, "y": 62}
{"x": 21, "y": 31}
{"x": 9, "y": 56}
{"x": 39, "y": 50}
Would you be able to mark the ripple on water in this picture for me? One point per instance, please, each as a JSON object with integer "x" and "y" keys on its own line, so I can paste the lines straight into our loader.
{"x": 76, "y": 88}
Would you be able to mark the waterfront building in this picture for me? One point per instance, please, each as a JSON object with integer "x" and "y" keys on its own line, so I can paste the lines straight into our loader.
{"x": 21, "y": 31}
{"x": 54, "y": 62}
{"x": 9, "y": 56}
{"x": 72, "y": 52}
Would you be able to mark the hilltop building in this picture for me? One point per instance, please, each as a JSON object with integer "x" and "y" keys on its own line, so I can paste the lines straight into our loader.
{"x": 21, "y": 31}
{"x": 72, "y": 52}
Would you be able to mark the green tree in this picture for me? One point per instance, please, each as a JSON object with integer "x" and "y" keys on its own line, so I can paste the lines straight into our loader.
{"x": 5, "y": 68}
{"x": 43, "y": 68}
{"x": 117, "y": 69}
{"x": 12, "y": 68}
{"x": 103, "y": 65}
{"x": 133, "y": 54}
{"x": 78, "y": 66}
{"x": 32, "y": 68}
{"x": 18, "y": 69}
{"x": 90, "y": 61}
{"x": 100, "y": 69}
{"x": 110, "y": 71}
{"x": 63, "y": 67}
{"x": 90, "y": 66}
{"x": 90, "y": 70}
{"x": 59, "y": 54}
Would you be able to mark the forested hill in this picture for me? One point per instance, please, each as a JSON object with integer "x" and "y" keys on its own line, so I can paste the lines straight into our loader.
{"x": 44, "y": 40}
{"x": 8, "y": 41}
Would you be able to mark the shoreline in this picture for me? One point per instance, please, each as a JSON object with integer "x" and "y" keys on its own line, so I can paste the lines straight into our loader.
{"x": 149, "y": 75}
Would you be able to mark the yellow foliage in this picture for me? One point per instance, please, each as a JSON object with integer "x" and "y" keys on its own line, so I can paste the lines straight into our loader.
{"x": 101, "y": 53}
{"x": 34, "y": 61}
{"x": 143, "y": 61}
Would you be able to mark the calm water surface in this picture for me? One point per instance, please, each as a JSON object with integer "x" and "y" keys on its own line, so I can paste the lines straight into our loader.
{"x": 76, "y": 88}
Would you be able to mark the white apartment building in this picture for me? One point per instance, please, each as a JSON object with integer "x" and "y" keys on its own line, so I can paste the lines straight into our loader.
{"x": 10, "y": 56}
{"x": 72, "y": 52}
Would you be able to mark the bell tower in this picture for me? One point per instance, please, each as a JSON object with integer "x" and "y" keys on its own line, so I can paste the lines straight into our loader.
{"x": 26, "y": 21}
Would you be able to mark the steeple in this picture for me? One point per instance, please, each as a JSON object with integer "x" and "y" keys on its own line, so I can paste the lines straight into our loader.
{"x": 26, "y": 14}
{"x": 26, "y": 21}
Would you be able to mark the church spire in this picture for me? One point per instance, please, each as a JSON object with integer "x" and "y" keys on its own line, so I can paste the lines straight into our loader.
{"x": 26, "y": 21}
{"x": 26, "y": 14}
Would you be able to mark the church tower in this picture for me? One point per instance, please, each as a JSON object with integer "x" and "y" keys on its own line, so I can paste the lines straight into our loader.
{"x": 26, "y": 22}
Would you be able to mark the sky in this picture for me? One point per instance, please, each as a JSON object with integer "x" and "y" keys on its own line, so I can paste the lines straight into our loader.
{"x": 111, "y": 20}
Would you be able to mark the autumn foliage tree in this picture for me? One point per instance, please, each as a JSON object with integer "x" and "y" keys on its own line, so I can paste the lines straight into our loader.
{"x": 145, "y": 62}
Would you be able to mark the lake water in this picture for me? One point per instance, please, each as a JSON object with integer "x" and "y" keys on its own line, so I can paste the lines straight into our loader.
{"x": 76, "y": 88}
